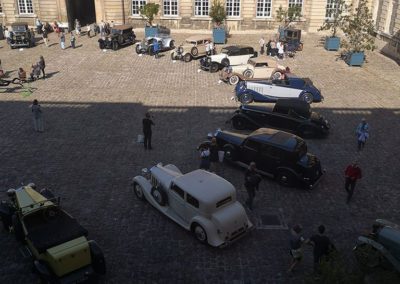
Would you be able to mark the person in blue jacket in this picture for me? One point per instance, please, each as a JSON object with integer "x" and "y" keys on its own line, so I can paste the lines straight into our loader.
{"x": 156, "y": 48}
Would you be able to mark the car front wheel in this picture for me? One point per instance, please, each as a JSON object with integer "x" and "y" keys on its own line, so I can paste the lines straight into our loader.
{"x": 101, "y": 45}
{"x": 138, "y": 191}
{"x": 187, "y": 57}
{"x": 239, "y": 123}
{"x": 286, "y": 178}
{"x": 246, "y": 98}
{"x": 307, "y": 97}
{"x": 158, "y": 196}
{"x": 200, "y": 233}
{"x": 115, "y": 45}
{"x": 213, "y": 67}
{"x": 234, "y": 79}
{"x": 138, "y": 49}
{"x": 171, "y": 44}
{"x": 225, "y": 62}
{"x": 173, "y": 57}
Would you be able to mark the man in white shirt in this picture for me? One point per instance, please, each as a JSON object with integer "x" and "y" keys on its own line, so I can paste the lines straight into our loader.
{"x": 7, "y": 35}
{"x": 262, "y": 43}
{"x": 88, "y": 30}
{"x": 111, "y": 24}
{"x": 208, "y": 53}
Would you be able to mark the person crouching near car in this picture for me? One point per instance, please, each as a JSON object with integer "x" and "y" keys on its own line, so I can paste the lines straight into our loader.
{"x": 156, "y": 48}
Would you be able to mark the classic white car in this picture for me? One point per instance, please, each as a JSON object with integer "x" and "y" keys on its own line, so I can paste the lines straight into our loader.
{"x": 256, "y": 68}
{"x": 230, "y": 55}
{"x": 199, "y": 201}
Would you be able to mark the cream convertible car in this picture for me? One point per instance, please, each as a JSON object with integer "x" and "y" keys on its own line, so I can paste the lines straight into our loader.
{"x": 257, "y": 68}
{"x": 199, "y": 201}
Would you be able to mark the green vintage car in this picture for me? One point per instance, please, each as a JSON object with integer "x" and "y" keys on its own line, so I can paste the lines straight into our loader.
{"x": 57, "y": 243}
{"x": 381, "y": 247}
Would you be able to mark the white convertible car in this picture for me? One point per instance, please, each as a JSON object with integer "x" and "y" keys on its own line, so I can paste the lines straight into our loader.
{"x": 199, "y": 201}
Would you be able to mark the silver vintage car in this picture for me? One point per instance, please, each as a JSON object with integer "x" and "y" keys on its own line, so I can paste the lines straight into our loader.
{"x": 199, "y": 201}
{"x": 146, "y": 46}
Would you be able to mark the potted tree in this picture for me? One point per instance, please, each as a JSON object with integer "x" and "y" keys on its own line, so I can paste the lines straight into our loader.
{"x": 358, "y": 29}
{"x": 218, "y": 16}
{"x": 286, "y": 17}
{"x": 333, "y": 22}
{"x": 148, "y": 12}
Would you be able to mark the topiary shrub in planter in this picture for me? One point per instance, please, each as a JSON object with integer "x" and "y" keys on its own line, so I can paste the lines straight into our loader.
{"x": 333, "y": 22}
{"x": 218, "y": 16}
{"x": 148, "y": 12}
{"x": 358, "y": 29}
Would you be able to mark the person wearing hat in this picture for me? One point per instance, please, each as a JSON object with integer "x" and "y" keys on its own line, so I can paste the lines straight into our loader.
{"x": 351, "y": 174}
{"x": 362, "y": 133}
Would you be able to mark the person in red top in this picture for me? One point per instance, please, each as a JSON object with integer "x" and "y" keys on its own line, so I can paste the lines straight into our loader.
{"x": 351, "y": 174}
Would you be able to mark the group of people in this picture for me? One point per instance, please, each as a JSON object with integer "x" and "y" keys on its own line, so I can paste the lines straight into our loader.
{"x": 273, "y": 48}
{"x": 209, "y": 156}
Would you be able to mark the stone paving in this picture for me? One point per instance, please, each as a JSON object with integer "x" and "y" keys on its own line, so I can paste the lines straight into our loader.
{"x": 93, "y": 102}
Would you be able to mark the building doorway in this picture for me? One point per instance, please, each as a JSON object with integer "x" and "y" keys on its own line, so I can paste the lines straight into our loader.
{"x": 83, "y": 10}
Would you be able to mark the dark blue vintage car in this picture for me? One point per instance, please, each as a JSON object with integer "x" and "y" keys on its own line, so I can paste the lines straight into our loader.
{"x": 272, "y": 90}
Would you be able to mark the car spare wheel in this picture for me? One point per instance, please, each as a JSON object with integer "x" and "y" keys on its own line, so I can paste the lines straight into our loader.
{"x": 194, "y": 51}
{"x": 277, "y": 75}
{"x": 187, "y": 57}
{"x": 159, "y": 195}
{"x": 246, "y": 98}
{"x": 307, "y": 97}
{"x": 234, "y": 79}
{"x": 98, "y": 262}
{"x": 199, "y": 233}
{"x": 286, "y": 178}
{"x": 239, "y": 123}
{"x": 138, "y": 191}
{"x": 225, "y": 62}
{"x": 248, "y": 73}
{"x": 214, "y": 67}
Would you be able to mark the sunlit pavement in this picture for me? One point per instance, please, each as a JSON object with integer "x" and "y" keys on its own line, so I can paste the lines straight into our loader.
{"x": 93, "y": 102}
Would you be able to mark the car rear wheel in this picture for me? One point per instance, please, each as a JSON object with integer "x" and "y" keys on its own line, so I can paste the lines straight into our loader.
{"x": 172, "y": 44}
{"x": 200, "y": 233}
{"x": 138, "y": 49}
{"x": 115, "y": 45}
{"x": 194, "y": 51}
{"x": 307, "y": 97}
{"x": 138, "y": 191}
{"x": 229, "y": 153}
{"x": 214, "y": 67}
{"x": 159, "y": 195}
{"x": 234, "y": 79}
{"x": 248, "y": 73}
{"x": 187, "y": 57}
{"x": 246, "y": 98}
{"x": 225, "y": 62}
{"x": 239, "y": 123}
{"x": 286, "y": 178}
{"x": 277, "y": 75}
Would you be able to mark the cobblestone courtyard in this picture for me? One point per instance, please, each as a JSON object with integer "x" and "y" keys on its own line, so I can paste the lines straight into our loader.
{"x": 93, "y": 103}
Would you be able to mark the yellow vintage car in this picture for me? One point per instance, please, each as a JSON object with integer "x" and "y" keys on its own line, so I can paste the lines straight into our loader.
{"x": 55, "y": 240}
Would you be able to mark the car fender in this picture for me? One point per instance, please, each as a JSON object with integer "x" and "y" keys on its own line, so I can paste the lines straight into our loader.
{"x": 382, "y": 250}
{"x": 146, "y": 186}
{"x": 248, "y": 118}
{"x": 212, "y": 236}
{"x": 101, "y": 40}
{"x": 278, "y": 169}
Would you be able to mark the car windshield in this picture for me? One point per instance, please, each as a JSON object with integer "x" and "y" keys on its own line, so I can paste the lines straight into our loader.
{"x": 117, "y": 32}
{"x": 18, "y": 28}
{"x": 300, "y": 148}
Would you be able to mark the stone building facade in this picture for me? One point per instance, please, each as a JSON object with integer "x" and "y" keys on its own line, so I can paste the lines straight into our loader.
{"x": 194, "y": 14}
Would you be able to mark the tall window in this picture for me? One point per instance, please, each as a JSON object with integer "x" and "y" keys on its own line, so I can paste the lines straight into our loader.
{"x": 1, "y": 9}
{"x": 264, "y": 8}
{"x": 293, "y": 3}
{"x": 331, "y": 6}
{"x": 201, "y": 7}
{"x": 170, "y": 7}
{"x": 233, "y": 8}
{"x": 137, "y": 5}
{"x": 25, "y": 6}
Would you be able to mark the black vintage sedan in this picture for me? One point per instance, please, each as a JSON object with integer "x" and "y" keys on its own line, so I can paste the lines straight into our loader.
{"x": 278, "y": 154}
{"x": 290, "y": 115}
